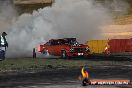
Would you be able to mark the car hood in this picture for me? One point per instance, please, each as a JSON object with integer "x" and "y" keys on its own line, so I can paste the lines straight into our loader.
{"x": 79, "y": 46}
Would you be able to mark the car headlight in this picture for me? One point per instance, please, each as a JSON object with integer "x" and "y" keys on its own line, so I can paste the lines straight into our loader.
{"x": 72, "y": 50}
{"x": 87, "y": 48}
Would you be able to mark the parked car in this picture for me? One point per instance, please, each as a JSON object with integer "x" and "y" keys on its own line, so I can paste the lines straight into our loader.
{"x": 67, "y": 47}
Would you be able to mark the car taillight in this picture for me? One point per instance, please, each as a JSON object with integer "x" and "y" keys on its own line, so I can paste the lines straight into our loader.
{"x": 38, "y": 48}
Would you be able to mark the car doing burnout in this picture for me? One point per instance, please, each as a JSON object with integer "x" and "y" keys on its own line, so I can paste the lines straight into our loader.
{"x": 67, "y": 47}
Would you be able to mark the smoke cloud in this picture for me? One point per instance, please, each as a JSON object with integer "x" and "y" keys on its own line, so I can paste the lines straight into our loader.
{"x": 7, "y": 14}
{"x": 119, "y": 7}
{"x": 81, "y": 19}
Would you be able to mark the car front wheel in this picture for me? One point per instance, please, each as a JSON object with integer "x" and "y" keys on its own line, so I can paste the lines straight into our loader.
{"x": 63, "y": 54}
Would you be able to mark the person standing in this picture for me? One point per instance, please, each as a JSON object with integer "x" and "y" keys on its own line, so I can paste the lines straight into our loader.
{"x": 34, "y": 53}
{"x": 3, "y": 45}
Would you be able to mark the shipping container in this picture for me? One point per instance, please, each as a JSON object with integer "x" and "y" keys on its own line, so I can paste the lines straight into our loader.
{"x": 120, "y": 45}
{"x": 97, "y": 46}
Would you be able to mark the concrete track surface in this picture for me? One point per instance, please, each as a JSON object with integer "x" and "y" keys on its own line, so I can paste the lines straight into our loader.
{"x": 66, "y": 78}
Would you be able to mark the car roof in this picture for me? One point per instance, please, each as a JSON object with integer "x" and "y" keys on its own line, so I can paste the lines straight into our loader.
{"x": 63, "y": 39}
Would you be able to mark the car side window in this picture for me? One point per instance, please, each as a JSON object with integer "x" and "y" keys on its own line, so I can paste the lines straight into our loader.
{"x": 53, "y": 42}
{"x": 48, "y": 43}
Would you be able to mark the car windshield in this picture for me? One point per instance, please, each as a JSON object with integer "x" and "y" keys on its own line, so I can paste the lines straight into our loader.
{"x": 72, "y": 41}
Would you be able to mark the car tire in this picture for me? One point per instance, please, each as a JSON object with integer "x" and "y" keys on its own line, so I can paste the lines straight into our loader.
{"x": 63, "y": 54}
{"x": 45, "y": 52}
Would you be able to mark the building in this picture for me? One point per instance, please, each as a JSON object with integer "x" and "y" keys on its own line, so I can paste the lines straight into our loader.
{"x": 27, "y": 6}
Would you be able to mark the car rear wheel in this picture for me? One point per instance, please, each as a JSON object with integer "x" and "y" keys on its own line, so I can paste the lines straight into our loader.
{"x": 63, "y": 54}
{"x": 45, "y": 52}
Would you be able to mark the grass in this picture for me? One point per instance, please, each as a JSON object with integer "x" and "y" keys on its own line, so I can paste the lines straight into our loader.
{"x": 11, "y": 65}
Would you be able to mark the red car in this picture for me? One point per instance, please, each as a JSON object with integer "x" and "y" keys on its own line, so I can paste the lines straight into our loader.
{"x": 67, "y": 47}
